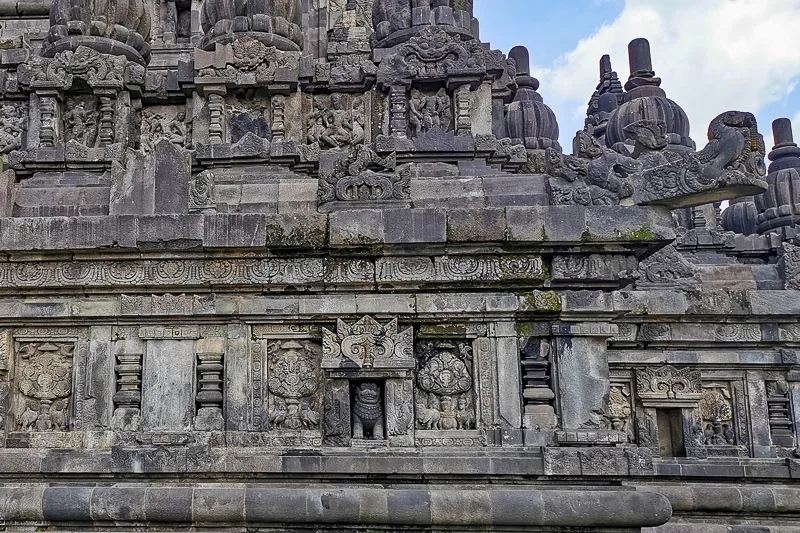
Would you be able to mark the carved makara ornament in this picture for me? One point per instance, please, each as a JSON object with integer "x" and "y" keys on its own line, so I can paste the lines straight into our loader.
{"x": 362, "y": 175}
{"x": 293, "y": 374}
{"x": 669, "y": 385}
{"x": 367, "y": 344}
{"x": 44, "y": 379}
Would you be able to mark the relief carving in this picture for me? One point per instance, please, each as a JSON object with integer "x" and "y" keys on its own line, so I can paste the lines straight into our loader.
{"x": 339, "y": 124}
{"x": 368, "y": 420}
{"x": 163, "y": 123}
{"x": 427, "y": 112}
{"x": 444, "y": 398}
{"x": 12, "y": 122}
{"x": 364, "y": 176}
{"x": 668, "y": 384}
{"x": 293, "y": 381}
{"x": 44, "y": 384}
{"x": 81, "y": 121}
{"x": 367, "y": 344}
{"x": 717, "y": 414}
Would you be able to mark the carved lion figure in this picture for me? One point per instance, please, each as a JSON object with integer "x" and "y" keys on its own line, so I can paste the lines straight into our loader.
{"x": 368, "y": 411}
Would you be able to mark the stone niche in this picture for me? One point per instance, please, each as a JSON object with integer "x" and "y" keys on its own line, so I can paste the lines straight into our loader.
{"x": 368, "y": 366}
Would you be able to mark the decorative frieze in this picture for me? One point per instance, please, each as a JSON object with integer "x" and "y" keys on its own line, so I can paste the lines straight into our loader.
{"x": 265, "y": 271}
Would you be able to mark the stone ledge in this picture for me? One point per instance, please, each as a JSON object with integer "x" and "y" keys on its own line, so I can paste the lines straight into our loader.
{"x": 635, "y": 227}
{"x": 246, "y": 504}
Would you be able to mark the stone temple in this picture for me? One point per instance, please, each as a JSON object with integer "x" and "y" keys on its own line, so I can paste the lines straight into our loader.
{"x": 322, "y": 265}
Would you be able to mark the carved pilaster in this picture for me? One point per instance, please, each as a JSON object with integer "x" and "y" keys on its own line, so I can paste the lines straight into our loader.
{"x": 398, "y": 112}
{"x": 781, "y": 427}
{"x": 463, "y": 116}
{"x": 216, "y": 124}
{"x": 278, "y": 124}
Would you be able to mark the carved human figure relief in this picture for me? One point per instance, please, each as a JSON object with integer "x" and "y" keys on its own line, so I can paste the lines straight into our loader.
{"x": 43, "y": 386}
{"x": 12, "y": 122}
{"x": 293, "y": 382}
{"x": 336, "y": 121}
{"x": 444, "y": 397}
{"x": 164, "y": 122}
{"x": 429, "y": 111}
{"x": 81, "y": 120}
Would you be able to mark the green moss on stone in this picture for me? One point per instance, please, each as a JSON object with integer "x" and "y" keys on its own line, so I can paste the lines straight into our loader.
{"x": 543, "y": 301}
{"x": 643, "y": 233}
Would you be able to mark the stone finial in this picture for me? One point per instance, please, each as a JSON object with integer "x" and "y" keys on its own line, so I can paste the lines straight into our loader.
{"x": 779, "y": 207}
{"x": 641, "y": 65}
{"x": 782, "y": 131}
{"x": 522, "y": 59}
{"x": 528, "y": 119}
{"x": 785, "y": 153}
{"x": 275, "y": 23}
{"x": 639, "y": 56}
{"x": 396, "y": 21}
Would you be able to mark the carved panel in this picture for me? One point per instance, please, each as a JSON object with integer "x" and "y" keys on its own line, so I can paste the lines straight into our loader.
{"x": 717, "y": 415}
{"x": 445, "y": 395}
{"x": 400, "y": 411}
{"x": 43, "y": 386}
{"x": 429, "y": 111}
{"x": 337, "y": 413}
{"x": 669, "y": 386}
{"x": 337, "y": 121}
{"x": 367, "y": 343}
{"x": 293, "y": 381}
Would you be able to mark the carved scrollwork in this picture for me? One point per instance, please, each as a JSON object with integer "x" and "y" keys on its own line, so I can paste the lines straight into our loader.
{"x": 367, "y": 343}
{"x": 669, "y": 384}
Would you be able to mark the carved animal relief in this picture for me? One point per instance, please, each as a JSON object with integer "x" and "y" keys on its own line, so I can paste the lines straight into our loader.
{"x": 444, "y": 398}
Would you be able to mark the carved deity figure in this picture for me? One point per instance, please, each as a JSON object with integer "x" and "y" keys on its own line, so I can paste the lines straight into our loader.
{"x": 428, "y": 112}
{"x": 82, "y": 124}
{"x": 11, "y": 122}
{"x": 368, "y": 412}
{"x": 337, "y": 127}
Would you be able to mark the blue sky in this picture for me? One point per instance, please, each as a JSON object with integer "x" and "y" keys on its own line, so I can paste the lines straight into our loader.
{"x": 713, "y": 55}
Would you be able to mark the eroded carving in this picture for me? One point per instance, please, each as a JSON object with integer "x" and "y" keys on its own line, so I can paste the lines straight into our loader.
{"x": 429, "y": 111}
{"x": 44, "y": 384}
{"x": 293, "y": 372}
{"x": 444, "y": 398}
{"x": 669, "y": 384}
{"x": 364, "y": 176}
{"x": 368, "y": 422}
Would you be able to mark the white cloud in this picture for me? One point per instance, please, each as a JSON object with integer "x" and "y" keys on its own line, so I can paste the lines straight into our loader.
{"x": 713, "y": 56}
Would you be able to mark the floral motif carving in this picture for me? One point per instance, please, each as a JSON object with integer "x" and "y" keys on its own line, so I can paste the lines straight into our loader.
{"x": 253, "y": 63}
{"x": 367, "y": 344}
{"x": 44, "y": 383}
{"x": 96, "y": 69}
{"x": 293, "y": 381}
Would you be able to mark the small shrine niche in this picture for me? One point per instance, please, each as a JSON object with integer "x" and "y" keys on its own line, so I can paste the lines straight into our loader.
{"x": 368, "y": 383}
{"x": 368, "y": 411}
